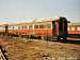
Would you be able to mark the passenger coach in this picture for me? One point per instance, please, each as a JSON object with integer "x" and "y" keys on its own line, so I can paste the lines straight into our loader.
{"x": 48, "y": 29}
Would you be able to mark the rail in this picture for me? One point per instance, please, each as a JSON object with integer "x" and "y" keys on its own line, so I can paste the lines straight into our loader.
{"x": 2, "y": 54}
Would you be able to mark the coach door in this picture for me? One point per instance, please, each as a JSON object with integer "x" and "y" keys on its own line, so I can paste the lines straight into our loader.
{"x": 62, "y": 26}
{"x": 54, "y": 28}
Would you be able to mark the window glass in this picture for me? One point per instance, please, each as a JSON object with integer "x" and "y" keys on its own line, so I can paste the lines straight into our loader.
{"x": 68, "y": 29}
{"x": 41, "y": 26}
{"x": 1, "y": 27}
{"x": 16, "y": 27}
{"x": 73, "y": 28}
{"x": 10, "y": 27}
{"x": 25, "y": 27}
{"x": 22, "y": 27}
{"x": 48, "y": 25}
{"x": 30, "y": 27}
{"x": 36, "y": 26}
{"x": 78, "y": 28}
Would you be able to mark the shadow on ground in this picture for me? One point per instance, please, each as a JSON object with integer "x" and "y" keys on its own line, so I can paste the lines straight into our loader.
{"x": 72, "y": 41}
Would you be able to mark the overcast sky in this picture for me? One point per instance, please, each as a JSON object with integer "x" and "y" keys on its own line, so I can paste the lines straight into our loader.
{"x": 18, "y": 9}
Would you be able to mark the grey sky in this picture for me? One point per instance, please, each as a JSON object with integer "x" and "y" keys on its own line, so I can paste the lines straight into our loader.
{"x": 39, "y": 8}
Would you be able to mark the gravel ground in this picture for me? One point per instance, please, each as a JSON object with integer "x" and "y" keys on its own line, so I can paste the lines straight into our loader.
{"x": 40, "y": 50}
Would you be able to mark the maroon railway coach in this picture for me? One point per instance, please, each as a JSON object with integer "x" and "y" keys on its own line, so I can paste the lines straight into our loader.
{"x": 51, "y": 29}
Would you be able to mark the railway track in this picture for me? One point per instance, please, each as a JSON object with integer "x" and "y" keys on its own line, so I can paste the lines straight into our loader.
{"x": 2, "y": 54}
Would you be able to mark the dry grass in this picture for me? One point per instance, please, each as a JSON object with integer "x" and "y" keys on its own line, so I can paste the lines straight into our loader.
{"x": 40, "y": 50}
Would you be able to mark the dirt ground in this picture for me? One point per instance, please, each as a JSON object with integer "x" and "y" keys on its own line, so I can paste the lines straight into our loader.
{"x": 40, "y": 50}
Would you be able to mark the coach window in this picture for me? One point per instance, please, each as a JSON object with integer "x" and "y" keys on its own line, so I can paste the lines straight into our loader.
{"x": 15, "y": 27}
{"x": 30, "y": 27}
{"x": 18, "y": 27}
{"x": 73, "y": 28}
{"x": 36, "y": 26}
{"x": 68, "y": 28}
{"x": 48, "y": 25}
{"x": 1, "y": 28}
{"x": 22, "y": 27}
{"x": 41, "y": 26}
{"x": 10, "y": 27}
{"x": 78, "y": 28}
{"x": 25, "y": 27}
